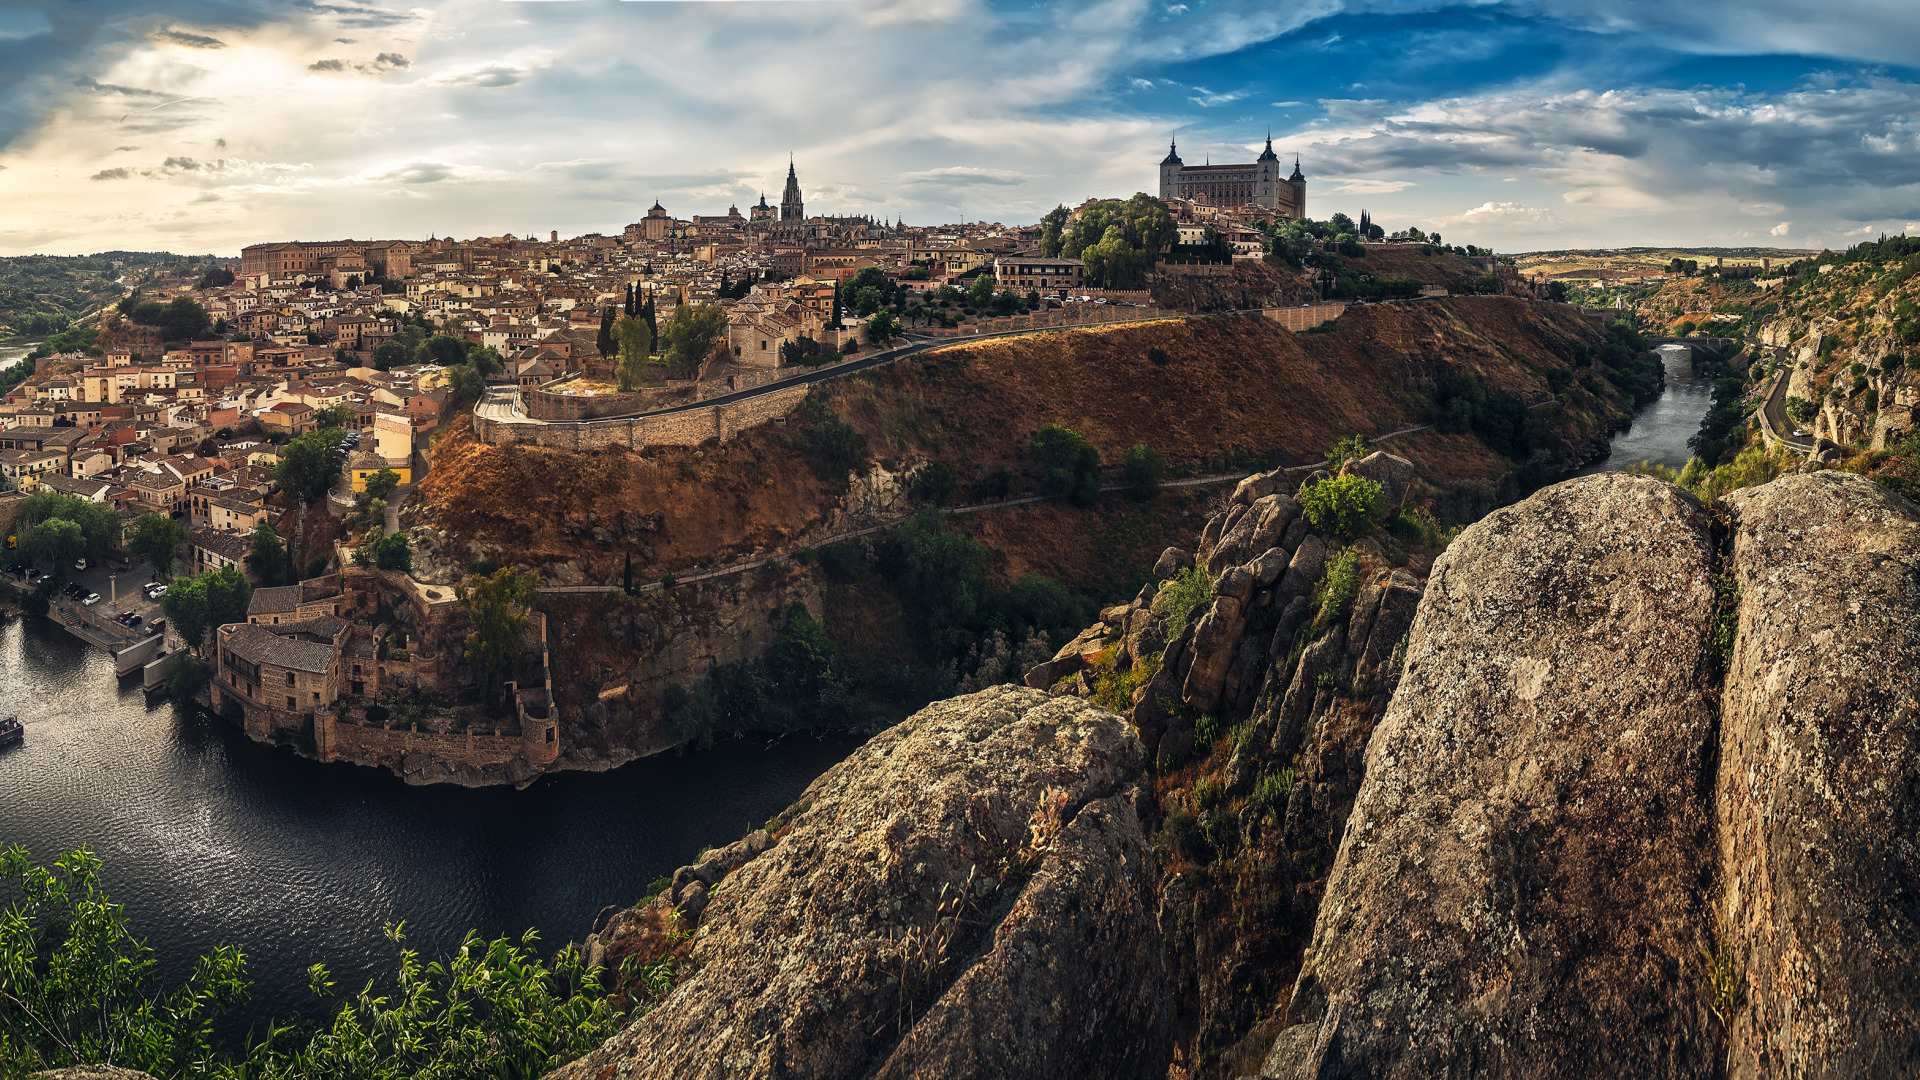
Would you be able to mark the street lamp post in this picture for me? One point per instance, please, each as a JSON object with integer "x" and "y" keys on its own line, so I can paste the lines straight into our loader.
{"x": 113, "y": 588}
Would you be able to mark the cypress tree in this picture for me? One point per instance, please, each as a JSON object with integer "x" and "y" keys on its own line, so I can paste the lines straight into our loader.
{"x": 653, "y": 322}
{"x": 836, "y": 324}
{"x": 726, "y": 287}
{"x": 606, "y": 331}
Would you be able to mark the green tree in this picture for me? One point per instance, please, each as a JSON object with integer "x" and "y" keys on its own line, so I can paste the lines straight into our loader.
{"x": 157, "y": 539}
{"x": 57, "y": 541}
{"x": 497, "y": 605}
{"x": 980, "y": 293}
{"x": 381, "y": 483}
{"x": 1291, "y": 243}
{"x": 690, "y": 335}
{"x": 1053, "y": 226}
{"x": 99, "y": 523}
{"x": 635, "y": 344}
{"x": 943, "y": 577}
{"x": 266, "y": 556}
{"x": 1117, "y": 241}
{"x": 77, "y": 988}
{"x": 390, "y": 355}
{"x": 333, "y": 416}
{"x": 465, "y": 383}
{"x": 1069, "y": 466}
{"x": 392, "y": 552}
{"x": 443, "y": 349}
{"x": 883, "y": 327}
{"x": 310, "y": 464}
{"x": 1144, "y": 468}
{"x": 653, "y": 320}
{"x": 605, "y": 340}
{"x": 1341, "y": 505}
{"x": 210, "y": 599}
{"x": 834, "y": 322}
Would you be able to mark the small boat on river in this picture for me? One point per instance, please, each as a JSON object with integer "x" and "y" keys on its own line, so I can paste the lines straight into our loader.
{"x": 11, "y": 732}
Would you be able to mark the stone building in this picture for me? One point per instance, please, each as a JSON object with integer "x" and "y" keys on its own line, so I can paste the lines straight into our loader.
{"x": 1258, "y": 183}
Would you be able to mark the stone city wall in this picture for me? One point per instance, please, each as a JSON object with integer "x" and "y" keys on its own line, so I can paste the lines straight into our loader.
{"x": 689, "y": 427}
{"x": 384, "y": 747}
{"x": 1304, "y": 318}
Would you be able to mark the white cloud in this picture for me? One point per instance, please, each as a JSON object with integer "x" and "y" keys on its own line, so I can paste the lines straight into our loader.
{"x": 1781, "y": 229}
{"x": 1364, "y": 186}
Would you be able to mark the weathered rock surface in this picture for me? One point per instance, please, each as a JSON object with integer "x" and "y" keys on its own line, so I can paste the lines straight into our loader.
{"x": 1819, "y": 781}
{"x": 1393, "y": 473}
{"x": 1518, "y": 889}
{"x": 971, "y": 894}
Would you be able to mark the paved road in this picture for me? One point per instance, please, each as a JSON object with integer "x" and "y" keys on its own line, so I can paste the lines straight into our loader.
{"x": 1775, "y": 407}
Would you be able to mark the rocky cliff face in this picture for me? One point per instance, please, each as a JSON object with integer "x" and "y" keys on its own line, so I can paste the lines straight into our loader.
{"x": 969, "y": 895}
{"x": 1579, "y": 852}
{"x": 1633, "y": 794}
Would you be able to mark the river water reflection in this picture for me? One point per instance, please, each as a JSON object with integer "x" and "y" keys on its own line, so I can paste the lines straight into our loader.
{"x": 211, "y": 839}
{"x": 1661, "y": 430}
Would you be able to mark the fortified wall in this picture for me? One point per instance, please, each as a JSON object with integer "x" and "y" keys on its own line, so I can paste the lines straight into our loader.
{"x": 688, "y": 427}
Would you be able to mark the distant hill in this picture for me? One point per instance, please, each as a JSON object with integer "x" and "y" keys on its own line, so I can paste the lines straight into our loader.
{"x": 40, "y": 293}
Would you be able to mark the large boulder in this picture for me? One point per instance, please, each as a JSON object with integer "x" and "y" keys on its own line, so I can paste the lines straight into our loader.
{"x": 1394, "y": 474}
{"x": 1517, "y": 892}
{"x": 1819, "y": 781}
{"x": 971, "y": 894}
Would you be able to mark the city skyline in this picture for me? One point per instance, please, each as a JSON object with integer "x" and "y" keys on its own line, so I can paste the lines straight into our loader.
{"x": 220, "y": 123}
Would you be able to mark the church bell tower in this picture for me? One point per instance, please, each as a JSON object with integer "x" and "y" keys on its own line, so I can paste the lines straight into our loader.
{"x": 792, "y": 207}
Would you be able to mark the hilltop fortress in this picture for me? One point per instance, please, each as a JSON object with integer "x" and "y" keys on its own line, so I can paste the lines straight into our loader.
{"x": 1258, "y": 183}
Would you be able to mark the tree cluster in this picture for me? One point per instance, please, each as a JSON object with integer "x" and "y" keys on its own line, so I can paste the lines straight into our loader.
{"x": 211, "y": 599}
{"x": 180, "y": 319}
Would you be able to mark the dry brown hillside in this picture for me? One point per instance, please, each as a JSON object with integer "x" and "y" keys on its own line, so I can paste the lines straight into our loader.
{"x": 1234, "y": 391}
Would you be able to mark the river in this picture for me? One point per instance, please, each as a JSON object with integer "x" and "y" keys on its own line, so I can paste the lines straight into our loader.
{"x": 211, "y": 839}
{"x": 1660, "y": 430}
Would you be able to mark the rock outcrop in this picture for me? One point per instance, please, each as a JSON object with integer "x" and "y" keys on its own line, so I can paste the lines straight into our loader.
{"x": 1520, "y": 874}
{"x": 1818, "y": 789}
{"x": 1579, "y": 852}
{"x": 971, "y": 894}
{"x": 1627, "y": 786}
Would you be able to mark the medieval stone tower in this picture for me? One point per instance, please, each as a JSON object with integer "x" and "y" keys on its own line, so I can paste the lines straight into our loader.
{"x": 792, "y": 207}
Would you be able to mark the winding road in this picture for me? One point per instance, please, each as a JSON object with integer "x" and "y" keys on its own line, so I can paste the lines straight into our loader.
{"x": 1776, "y": 426}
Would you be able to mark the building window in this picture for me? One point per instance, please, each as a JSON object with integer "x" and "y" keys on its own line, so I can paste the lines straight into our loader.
{"x": 290, "y": 703}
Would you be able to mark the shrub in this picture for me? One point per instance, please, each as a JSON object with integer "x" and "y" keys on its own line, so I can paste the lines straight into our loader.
{"x": 1270, "y": 793}
{"x": 1333, "y": 594}
{"x": 936, "y": 482}
{"x": 997, "y": 484}
{"x": 1185, "y": 591}
{"x": 1206, "y": 792}
{"x": 1341, "y": 505}
{"x": 1159, "y": 356}
{"x": 1144, "y": 468}
{"x": 1068, "y": 465}
{"x": 1206, "y": 730}
{"x": 834, "y": 450}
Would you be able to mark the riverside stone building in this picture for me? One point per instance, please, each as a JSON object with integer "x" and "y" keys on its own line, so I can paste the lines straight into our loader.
{"x": 308, "y": 666}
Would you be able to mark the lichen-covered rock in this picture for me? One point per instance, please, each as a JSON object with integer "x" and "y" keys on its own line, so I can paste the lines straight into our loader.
{"x": 1394, "y": 474}
{"x": 1819, "y": 781}
{"x": 1518, "y": 890}
{"x": 971, "y": 894}
{"x": 1172, "y": 561}
{"x": 1215, "y": 637}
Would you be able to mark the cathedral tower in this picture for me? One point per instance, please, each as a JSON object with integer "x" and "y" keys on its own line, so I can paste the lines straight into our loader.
{"x": 792, "y": 208}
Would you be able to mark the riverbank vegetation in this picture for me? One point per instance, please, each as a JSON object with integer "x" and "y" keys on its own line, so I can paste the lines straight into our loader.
{"x": 77, "y": 987}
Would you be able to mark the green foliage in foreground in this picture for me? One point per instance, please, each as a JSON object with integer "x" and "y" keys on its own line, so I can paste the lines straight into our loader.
{"x": 76, "y": 987}
{"x": 1341, "y": 505}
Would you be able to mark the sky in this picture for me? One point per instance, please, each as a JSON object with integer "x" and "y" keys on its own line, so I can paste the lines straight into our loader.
{"x": 204, "y": 125}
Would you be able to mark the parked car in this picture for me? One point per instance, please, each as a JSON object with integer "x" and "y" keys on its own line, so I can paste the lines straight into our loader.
{"x": 80, "y": 565}
{"x": 157, "y": 626}
{"x": 90, "y": 599}
{"x": 155, "y": 590}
